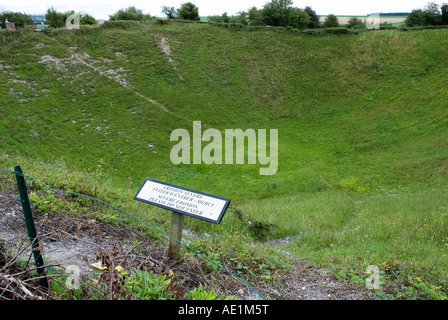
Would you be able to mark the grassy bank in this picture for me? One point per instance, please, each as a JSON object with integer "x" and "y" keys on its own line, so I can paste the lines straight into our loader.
{"x": 362, "y": 122}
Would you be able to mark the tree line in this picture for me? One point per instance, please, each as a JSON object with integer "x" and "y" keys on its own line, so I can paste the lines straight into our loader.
{"x": 277, "y": 13}
{"x": 431, "y": 15}
{"x": 274, "y": 13}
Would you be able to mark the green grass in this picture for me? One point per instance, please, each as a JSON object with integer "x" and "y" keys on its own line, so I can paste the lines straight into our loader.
{"x": 362, "y": 122}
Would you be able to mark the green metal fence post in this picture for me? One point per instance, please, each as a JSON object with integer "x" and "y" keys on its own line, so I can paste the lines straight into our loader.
{"x": 30, "y": 227}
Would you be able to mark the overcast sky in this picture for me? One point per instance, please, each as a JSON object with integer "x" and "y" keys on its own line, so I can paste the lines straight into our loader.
{"x": 101, "y": 9}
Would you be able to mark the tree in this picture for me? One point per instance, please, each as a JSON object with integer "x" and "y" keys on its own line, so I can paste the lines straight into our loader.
{"x": 298, "y": 18}
{"x": 444, "y": 10}
{"x": 188, "y": 11}
{"x": 20, "y": 19}
{"x": 85, "y": 18}
{"x": 430, "y": 15}
{"x": 170, "y": 12}
{"x": 314, "y": 18}
{"x": 331, "y": 21}
{"x": 255, "y": 17}
{"x": 55, "y": 19}
{"x": 433, "y": 14}
{"x": 130, "y": 13}
{"x": 275, "y": 13}
{"x": 432, "y": 8}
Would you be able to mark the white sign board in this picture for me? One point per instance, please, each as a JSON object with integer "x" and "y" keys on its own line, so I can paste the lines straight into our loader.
{"x": 182, "y": 200}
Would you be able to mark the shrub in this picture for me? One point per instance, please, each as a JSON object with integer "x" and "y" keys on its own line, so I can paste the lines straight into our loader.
{"x": 255, "y": 17}
{"x": 356, "y": 24}
{"x": 130, "y": 13}
{"x": 121, "y": 24}
{"x": 298, "y": 18}
{"x": 200, "y": 293}
{"x": 331, "y": 21}
{"x": 87, "y": 19}
{"x": 275, "y": 13}
{"x": 188, "y": 11}
{"x": 148, "y": 286}
{"x": 55, "y": 19}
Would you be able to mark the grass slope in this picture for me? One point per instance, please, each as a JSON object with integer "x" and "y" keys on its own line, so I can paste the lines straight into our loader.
{"x": 362, "y": 121}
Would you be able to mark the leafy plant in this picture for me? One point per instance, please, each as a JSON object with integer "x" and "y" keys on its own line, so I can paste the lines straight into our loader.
{"x": 428, "y": 291}
{"x": 146, "y": 285}
{"x": 46, "y": 202}
{"x": 200, "y": 293}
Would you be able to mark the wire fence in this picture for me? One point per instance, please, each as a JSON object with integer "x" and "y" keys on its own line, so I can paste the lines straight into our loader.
{"x": 186, "y": 246}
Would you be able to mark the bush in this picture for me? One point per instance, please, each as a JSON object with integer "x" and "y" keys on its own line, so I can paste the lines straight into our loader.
{"x": 188, "y": 11}
{"x": 297, "y": 18}
{"x": 275, "y": 13}
{"x": 321, "y": 31}
{"x": 121, "y": 24}
{"x": 356, "y": 24}
{"x": 87, "y": 19}
{"x": 162, "y": 21}
{"x": 148, "y": 286}
{"x": 130, "y": 13}
{"x": 55, "y": 19}
{"x": 331, "y": 21}
{"x": 200, "y": 293}
{"x": 241, "y": 18}
{"x": 255, "y": 17}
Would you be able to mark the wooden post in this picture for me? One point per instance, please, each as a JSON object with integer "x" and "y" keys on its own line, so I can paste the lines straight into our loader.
{"x": 177, "y": 223}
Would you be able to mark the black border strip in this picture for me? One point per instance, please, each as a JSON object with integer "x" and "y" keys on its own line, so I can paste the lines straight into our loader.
{"x": 226, "y": 205}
